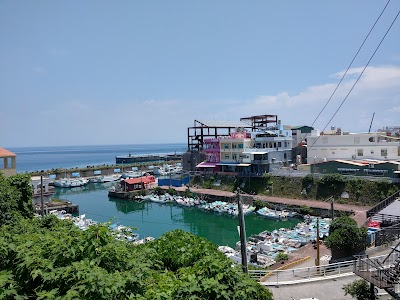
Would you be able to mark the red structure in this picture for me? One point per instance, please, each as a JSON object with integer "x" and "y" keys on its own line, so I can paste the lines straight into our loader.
{"x": 139, "y": 183}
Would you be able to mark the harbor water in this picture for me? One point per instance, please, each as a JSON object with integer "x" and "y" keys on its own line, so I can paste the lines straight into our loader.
{"x": 153, "y": 219}
{"x": 150, "y": 218}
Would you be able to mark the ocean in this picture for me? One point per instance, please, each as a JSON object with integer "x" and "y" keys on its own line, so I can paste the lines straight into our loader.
{"x": 31, "y": 159}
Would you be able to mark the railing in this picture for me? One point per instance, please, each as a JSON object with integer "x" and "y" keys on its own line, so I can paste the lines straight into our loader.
{"x": 282, "y": 277}
{"x": 260, "y": 161}
{"x": 386, "y": 219}
{"x": 387, "y": 235}
{"x": 384, "y": 203}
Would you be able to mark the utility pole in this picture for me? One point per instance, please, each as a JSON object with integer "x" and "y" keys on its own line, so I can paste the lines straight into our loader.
{"x": 317, "y": 259}
{"x": 41, "y": 195}
{"x": 332, "y": 210}
{"x": 242, "y": 232}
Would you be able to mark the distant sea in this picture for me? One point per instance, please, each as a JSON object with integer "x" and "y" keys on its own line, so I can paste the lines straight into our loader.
{"x": 31, "y": 159}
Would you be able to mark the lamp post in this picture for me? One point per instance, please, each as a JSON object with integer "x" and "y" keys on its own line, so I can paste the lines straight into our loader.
{"x": 242, "y": 231}
{"x": 41, "y": 195}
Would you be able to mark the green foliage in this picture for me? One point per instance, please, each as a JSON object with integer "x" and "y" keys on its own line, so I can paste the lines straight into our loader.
{"x": 346, "y": 236}
{"x": 282, "y": 256}
{"x": 188, "y": 193}
{"x": 359, "y": 289}
{"x": 171, "y": 191}
{"x": 158, "y": 191}
{"x": 45, "y": 258}
{"x": 305, "y": 210}
{"x": 307, "y": 183}
{"x": 15, "y": 198}
{"x": 331, "y": 185}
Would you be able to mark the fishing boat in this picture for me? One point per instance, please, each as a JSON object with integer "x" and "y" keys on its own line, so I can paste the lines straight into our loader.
{"x": 161, "y": 198}
{"x": 270, "y": 214}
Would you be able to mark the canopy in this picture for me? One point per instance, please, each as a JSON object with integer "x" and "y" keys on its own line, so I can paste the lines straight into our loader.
{"x": 206, "y": 165}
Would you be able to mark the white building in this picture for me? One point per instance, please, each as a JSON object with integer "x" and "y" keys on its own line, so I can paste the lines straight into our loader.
{"x": 351, "y": 146}
{"x": 272, "y": 149}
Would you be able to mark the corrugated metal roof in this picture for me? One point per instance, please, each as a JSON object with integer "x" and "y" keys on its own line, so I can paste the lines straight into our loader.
{"x": 206, "y": 165}
{"x": 144, "y": 180}
{"x": 6, "y": 153}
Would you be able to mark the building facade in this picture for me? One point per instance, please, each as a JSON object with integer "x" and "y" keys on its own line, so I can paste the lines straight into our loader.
{"x": 389, "y": 170}
{"x": 351, "y": 146}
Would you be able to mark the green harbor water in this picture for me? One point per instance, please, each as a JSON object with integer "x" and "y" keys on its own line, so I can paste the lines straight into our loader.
{"x": 153, "y": 219}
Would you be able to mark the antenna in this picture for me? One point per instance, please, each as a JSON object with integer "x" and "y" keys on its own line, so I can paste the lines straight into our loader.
{"x": 371, "y": 123}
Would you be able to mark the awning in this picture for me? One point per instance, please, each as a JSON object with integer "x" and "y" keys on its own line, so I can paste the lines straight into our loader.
{"x": 257, "y": 152}
{"x": 227, "y": 164}
{"x": 243, "y": 165}
{"x": 396, "y": 172}
{"x": 206, "y": 165}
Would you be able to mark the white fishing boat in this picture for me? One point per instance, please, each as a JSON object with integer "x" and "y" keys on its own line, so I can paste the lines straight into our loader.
{"x": 270, "y": 214}
{"x": 161, "y": 198}
{"x": 109, "y": 178}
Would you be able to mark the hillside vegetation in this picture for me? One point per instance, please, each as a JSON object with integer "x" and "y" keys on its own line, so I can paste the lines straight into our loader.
{"x": 360, "y": 191}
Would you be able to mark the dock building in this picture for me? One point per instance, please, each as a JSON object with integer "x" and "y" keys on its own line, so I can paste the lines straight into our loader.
{"x": 8, "y": 164}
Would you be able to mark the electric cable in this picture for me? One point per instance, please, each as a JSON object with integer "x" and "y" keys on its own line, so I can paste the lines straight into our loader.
{"x": 351, "y": 63}
{"x": 358, "y": 78}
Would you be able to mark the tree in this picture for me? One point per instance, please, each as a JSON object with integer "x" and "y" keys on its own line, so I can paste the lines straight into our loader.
{"x": 345, "y": 237}
{"x": 331, "y": 185}
{"x": 359, "y": 289}
{"x": 15, "y": 198}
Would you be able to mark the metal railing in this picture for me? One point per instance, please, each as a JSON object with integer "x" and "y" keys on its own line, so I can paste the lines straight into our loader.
{"x": 381, "y": 205}
{"x": 292, "y": 276}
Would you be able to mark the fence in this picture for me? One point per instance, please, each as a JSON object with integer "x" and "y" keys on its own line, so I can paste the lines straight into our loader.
{"x": 387, "y": 235}
{"x": 282, "y": 277}
{"x": 381, "y": 205}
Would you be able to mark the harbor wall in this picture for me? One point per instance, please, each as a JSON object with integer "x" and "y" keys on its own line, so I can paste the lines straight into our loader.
{"x": 89, "y": 171}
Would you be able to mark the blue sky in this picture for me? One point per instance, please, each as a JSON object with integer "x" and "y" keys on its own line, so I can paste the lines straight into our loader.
{"x": 126, "y": 72}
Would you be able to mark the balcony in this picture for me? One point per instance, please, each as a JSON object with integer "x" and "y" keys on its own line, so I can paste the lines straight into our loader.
{"x": 260, "y": 162}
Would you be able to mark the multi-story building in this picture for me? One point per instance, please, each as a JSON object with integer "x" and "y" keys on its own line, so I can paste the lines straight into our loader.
{"x": 212, "y": 150}
{"x": 352, "y": 146}
{"x": 272, "y": 148}
{"x": 231, "y": 152}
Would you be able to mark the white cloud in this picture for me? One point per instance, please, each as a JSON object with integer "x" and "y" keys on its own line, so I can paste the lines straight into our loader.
{"x": 395, "y": 109}
{"x": 378, "y": 90}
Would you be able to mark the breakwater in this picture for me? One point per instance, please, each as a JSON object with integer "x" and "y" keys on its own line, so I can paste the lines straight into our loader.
{"x": 92, "y": 171}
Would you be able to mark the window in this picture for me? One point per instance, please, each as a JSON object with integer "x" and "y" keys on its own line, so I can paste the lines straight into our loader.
{"x": 325, "y": 140}
{"x": 356, "y": 140}
{"x": 240, "y": 146}
{"x": 371, "y": 139}
{"x": 234, "y": 157}
{"x": 226, "y": 146}
{"x": 227, "y": 156}
{"x": 383, "y": 152}
{"x": 360, "y": 152}
{"x": 234, "y": 146}
{"x": 279, "y": 144}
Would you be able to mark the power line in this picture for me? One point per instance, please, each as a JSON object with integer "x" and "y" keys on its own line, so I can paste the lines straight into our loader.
{"x": 351, "y": 63}
{"x": 362, "y": 72}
